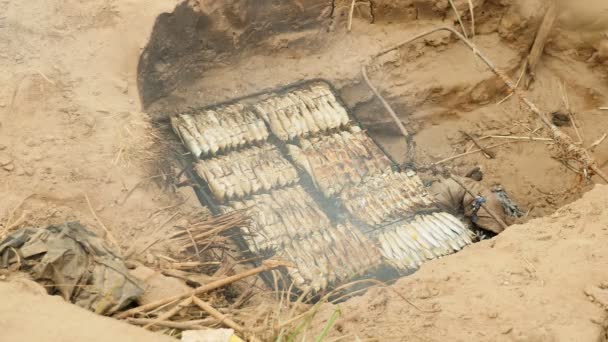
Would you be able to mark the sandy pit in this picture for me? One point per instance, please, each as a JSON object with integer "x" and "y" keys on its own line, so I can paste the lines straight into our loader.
{"x": 88, "y": 88}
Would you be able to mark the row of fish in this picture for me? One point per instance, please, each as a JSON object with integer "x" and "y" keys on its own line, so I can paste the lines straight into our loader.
{"x": 280, "y": 216}
{"x": 247, "y": 171}
{"x": 208, "y": 131}
{"x": 302, "y": 112}
{"x": 330, "y": 256}
{"x": 408, "y": 244}
{"x": 386, "y": 198}
{"x": 339, "y": 160}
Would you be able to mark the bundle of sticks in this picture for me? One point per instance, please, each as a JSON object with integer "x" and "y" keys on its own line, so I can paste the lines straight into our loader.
{"x": 189, "y": 310}
{"x": 203, "y": 233}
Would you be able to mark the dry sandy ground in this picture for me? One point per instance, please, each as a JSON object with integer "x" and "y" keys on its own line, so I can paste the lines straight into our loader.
{"x": 70, "y": 120}
{"x": 29, "y": 314}
{"x": 534, "y": 282}
{"x": 71, "y": 125}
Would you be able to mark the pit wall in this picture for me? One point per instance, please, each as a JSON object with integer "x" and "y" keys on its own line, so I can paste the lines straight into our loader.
{"x": 202, "y": 35}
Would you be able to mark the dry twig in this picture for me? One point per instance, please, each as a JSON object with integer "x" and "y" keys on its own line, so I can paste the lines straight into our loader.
{"x": 470, "y": 152}
{"x": 165, "y": 316}
{"x": 184, "y": 265}
{"x": 489, "y": 154}
{"x": 538, "y": 47}
{"x": 201, "y": 233}
{"x": 103, "y": 226}
{"x": 350, "y": 15}
{"x": 189, "y": 325}
{"x": 521, "y": 76}
{"x": 597, "y": 142}
{"x": 267, "y": 265}
{"x": 457, "y": 13}
{"x": 472, "y": 11}
{"x": 388, "y": 107}
{"x": 10, "y": 224}
{"x": 44, "y": 76}
{"x": 566, "y": 102}
{"x": 511, "y": 137}
{"x": 222, "y": 318}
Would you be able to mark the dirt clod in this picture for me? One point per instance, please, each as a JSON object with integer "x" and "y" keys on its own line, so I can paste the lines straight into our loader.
{"x": 5, "y": 159}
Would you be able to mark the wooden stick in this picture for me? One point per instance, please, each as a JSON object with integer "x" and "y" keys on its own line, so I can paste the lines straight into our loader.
{"x": 562, "y": 140}
{"x": 472, "y": 11}
{"x": 597, "y": 142}
{"x": 108, "y": 233}
{"x": 566, "y": 102}
{"x": 170, "y": 313}
{"x": 44, "y": 76}
{"x": 189, "y": 325}
{"x": 542, "y": 36}
{"x": 266, "y": 266}
{"x": 464, "y": 31}
{"x": 192, "y": 264}
{"x": 521, "y": 76}
{"x": 221, "y": 317}
{"x": 467, "y": 153}
{"x": 388, "y": 107}
{"x": 603, "y": 108}
{"x": 350, "y": 15}
{"x": 495, "y": 217}
{"x": 575, "y": 125}
{"x": 510, "y": 137}
{"x": 489, "y": 154}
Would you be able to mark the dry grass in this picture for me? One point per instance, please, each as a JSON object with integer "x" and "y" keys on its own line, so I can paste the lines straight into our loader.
{"x": 199, "y": 236}
{"x": 135, "y": 141}
{"x": 147, "y": 146}
{"x": 290, "y": 318}
{"x": 13, "y": 219}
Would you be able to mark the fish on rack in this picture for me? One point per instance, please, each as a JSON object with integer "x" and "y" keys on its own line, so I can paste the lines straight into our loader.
{"x": 209, "y": 131}
{"x": 330, "y": 256}
{"x": 409, "y": 243}
{"x": 302, "y": 112}
{"x": 244, "y": 172}
{"x": 386, "y": 198}
{"x": 396, "y": 220}
{"x": 280, "y": 216}
{"x": 339, "y": 160}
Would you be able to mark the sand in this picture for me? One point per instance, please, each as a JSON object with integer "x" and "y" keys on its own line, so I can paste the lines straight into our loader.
{"x": 72, "y": 124}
